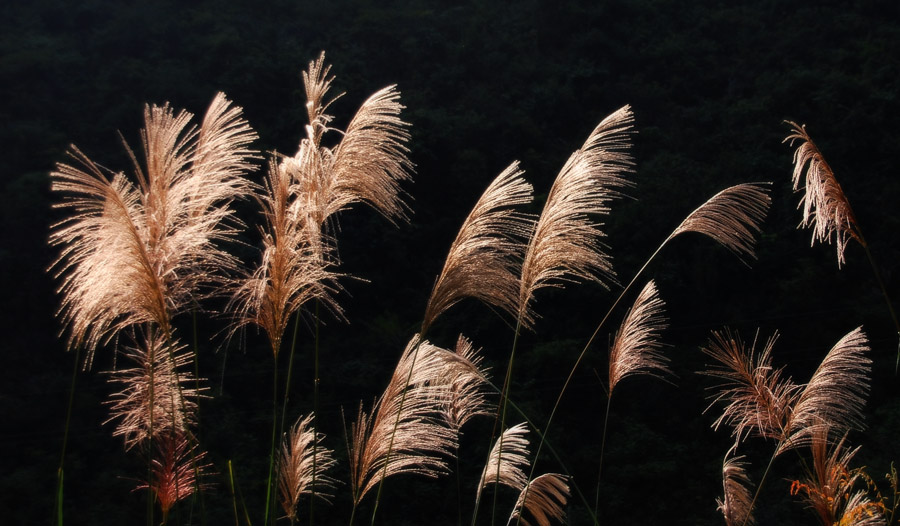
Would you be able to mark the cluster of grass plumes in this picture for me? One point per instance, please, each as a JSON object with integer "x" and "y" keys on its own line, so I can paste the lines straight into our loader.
{"x": 137, "y": 253}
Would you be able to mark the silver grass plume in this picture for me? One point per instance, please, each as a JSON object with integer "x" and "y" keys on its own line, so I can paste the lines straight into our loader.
{"x": 508, "y": 460}
{"x": 482, "y": 262}
{"x": 141, "y": 253}
{"x": 566, "y": 243}
{"x": 293, "y": 269}
{"x": 835, "y": 394}
{"x": 759, "y": 400}
{"x": 732, "y": 217}
{"x": 297, "y": 470}
{"x": 420, "y": 438}
{"x": 466, "y": 383}
{"x": 736, "y": 503}
{"x": 159, "y": 393}
{"x": 176, "y": 470}
{"x": 637, "y": 347}
{"x": 367, "y": 164}
{"x": 544, "y": 499}
{"x": 825, "y": 207}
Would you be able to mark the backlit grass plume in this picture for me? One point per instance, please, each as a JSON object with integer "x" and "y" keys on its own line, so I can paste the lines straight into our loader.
{"x": 367, "y": 164}
{"x": 482, "y": 262}
{"x": 298, "y": 472}
{"x": 176, "y": 470}
{"x": 293, "y": 270}
{"x": 159, "y": 393}
{"x": 141, "y": 253}
{"x": 761, "y": 401}
{"x": 825, "y": 207}
{"x": 636, "y": 347}
{"x": 542, "y": 502}
{"x": 406, "y": 431}
{"x": 736, "y": 503}
{"x": 566, "y": 244}
{"x": 508, "y": 460}
{"x": 732, "y": 217}
{"x": 466, "y": 385}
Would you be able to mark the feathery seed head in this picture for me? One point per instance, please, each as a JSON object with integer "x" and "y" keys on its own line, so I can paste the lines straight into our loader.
{"x": 636, "y": 348}
{"x": 544, "y": 499}
{"x": 303, "y": 460}
{"x": 736, "y": 503}
{"x": 825, "y": 207}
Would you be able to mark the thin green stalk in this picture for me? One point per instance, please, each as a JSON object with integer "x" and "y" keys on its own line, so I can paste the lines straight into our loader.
{"x": 315, "y": 422}
{"x": 602, "y": 447}
{"x": 272, "y": 447}
{"x": 62, "y": 455}
{"x": 235, "y": 488}
{"x": 504, "y": 396}
{"x": 761, "y": 481}
{"x": 458, "y": 485}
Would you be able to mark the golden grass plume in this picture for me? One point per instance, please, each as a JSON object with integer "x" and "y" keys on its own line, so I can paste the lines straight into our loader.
{"x": 566, "y": 243}
{"x": 543, "y": 500}
{"x": 736, "y": 503}
{"x": 482, "y": 261}
{"x": 825, "y": 207}
{"x": 141, "y": 253}
{"x": 637, "y": 348}
{"x": 303, "y": 466}
{"x": 508, "y": 460}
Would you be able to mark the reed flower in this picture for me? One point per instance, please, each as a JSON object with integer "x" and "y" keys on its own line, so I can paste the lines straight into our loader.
{"x": 303, "y": 466}
{"x": 175, "y": 471}
{"x": 466, "y": 382}
{"x": 482, "y": 262}
{"x": 544, "y": 499}
{"x": 566, "y": 243}
{"x": 732, "y": 217}
{"x": 141, "y": 253}
{"x": 825, "y": 207}
{"x": 636, "y": 347}
{"x": 367, "y": 164}
{"x": 406, "y": 431}
{"x": 736, "y": 503}
{"x": 761, "y": 401}
{"x": 508, "y": 460}
{"x": 159, "y": 394}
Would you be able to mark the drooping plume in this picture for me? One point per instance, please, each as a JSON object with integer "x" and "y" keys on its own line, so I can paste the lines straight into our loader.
{"x": 825, "y": 207}
{"x": 736, "y": 502}
{"x": 636, "y": 348}
{"x": 141, "y": 253}
{"x": 544, "y": 501}
{"x": 566, "y": 243}
{"x": 482, "y": 262}
{"x": 406, "y": 431}
{"x": 466, "y": 383}
{"x": 298, "y": 470}
{"x": 508, "y": 460}
{"x": 732, "y": 217}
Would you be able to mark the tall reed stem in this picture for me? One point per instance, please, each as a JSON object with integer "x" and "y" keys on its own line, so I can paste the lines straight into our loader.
{"x": 62, "y": 455}
{"x": 269, "y": 493}
{"x": 887, "y": 299}
{"x": 602, "y": 447}
{"x": 315, "y": 419}
{"x": 504, "y": 396}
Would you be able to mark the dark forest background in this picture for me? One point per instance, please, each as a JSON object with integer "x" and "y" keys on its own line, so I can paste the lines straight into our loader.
{"x": 484, "y": 83}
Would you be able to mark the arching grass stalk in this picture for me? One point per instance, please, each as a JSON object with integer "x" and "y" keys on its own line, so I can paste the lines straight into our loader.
{"x": 315, "y": 422}
{"x": 62, "y": 455}
{"x": 602, "y": 447}
{"x": 269, "y": 493}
